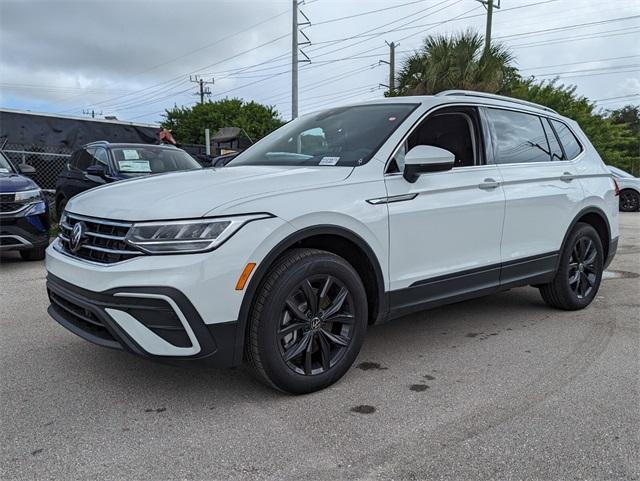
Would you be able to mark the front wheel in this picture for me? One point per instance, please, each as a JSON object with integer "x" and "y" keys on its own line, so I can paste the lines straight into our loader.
{"x": 580, "y": 272}
{"x": 308, "y": 321}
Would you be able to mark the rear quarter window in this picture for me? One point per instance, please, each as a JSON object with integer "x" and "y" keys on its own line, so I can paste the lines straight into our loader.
{"x": 570, "y": 144}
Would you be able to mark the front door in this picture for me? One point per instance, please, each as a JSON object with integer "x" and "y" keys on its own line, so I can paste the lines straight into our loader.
{"x": 444, "y": 229}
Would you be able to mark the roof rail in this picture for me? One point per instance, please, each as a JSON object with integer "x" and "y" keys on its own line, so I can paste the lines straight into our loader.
{"x": 98, "y": 142}
{"x": 471, "y": 93}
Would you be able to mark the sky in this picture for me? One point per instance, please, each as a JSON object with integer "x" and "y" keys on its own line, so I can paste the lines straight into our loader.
{"x": 133, "y": 59}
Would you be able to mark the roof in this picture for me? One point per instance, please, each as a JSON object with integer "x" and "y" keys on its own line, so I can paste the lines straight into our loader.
{"x": 77, "y": 117}
{"x": 116, "y": 145}
{"x": 463, "y": 96}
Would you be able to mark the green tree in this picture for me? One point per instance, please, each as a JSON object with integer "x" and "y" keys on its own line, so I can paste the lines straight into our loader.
{"x": 629, "y": 115}
{"x": 188, "y": 123}
{"x": 455, "y": 62}
{"x": 612, "y": 134}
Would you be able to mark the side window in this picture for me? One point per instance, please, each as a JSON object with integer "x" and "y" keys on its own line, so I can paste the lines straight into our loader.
{"x": 73, "y": 161}
{"x": 554, "y": 146}
{"x": 100, "y": 157}
{"x": 84, "y": 159}
{"x": 569, "y": 142}
{"x": 454, "y": 129}
{"x": 517, "y": 137}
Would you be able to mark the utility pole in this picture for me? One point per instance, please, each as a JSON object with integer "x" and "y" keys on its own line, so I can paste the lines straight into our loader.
{"x": 204, "y": 90}
{"x": 489, "y": 5}
{"x": 91, "y": 112}
{"x": 392, "y": 67}
{"x": 295, "y": 49}
{"x": 294, "y": 61}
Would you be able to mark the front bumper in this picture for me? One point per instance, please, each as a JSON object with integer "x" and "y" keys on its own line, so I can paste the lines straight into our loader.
{"x": 198, "y": 291}
{"x": 22, "y": 232}
{"x": 152, "y": 322}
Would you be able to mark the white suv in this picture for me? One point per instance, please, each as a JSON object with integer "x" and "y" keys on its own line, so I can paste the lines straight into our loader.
{"x": 338, "y": 220}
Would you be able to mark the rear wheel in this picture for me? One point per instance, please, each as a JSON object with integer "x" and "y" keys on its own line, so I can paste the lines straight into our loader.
{"x": 578, "y": 278}
{"x": 308, "y": 321}
{"x": 629, "y": 200}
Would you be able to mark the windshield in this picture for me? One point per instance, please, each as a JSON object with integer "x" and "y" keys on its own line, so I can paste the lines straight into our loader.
{"x": 346, "y": 136}
{"x": 149, "y": 160}
{"x": 5, "y": 165}
{"x": 620, "y": 173}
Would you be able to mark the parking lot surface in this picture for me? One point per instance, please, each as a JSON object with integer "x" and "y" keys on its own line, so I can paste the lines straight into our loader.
{"x": 501, "y": 387}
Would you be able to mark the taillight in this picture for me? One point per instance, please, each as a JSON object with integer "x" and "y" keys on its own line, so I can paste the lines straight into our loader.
{"x": 616, "y": 186}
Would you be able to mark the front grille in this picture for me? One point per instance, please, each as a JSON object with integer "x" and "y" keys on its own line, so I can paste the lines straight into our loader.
{"x": 79, "y": 316}
{"x": 8, "y": 207}
{"x": 8, "y": 203}
{"x": 103, "y": 240}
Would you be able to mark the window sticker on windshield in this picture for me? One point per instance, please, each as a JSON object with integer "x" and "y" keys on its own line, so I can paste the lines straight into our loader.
{"x": 130, "y": 154}
{"x": 3, "y": 170}
{"x": 329, "y": 160}
{"x": 134, "y": 166}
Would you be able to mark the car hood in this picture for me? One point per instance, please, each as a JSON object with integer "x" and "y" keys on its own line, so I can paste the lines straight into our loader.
{"x": 182, "y": 195}
{"x": 15, "y": 183}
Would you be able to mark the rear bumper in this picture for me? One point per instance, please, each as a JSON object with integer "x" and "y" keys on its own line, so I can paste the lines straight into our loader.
{"x": 613, "y": 248}
{"x": 157, "y": 323}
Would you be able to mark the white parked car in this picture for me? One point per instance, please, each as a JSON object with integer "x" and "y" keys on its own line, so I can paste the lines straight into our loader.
{"x": 338, "y": 220}
{"x": 629, "y": 189}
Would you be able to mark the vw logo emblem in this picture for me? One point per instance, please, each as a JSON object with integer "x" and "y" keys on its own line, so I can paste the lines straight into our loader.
{"x": 76, "y": 236}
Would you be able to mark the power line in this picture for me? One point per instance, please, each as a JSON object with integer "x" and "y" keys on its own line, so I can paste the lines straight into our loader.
{"x": 369, "y": 12}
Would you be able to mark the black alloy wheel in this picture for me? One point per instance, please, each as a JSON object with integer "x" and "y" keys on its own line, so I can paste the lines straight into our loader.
{"x": 579, "y": 273}
{"x": 316, "y": 326}
{"x": 307, "y": 322}
{"x": 629, "y": 200}
{"x": 582, "y": 272}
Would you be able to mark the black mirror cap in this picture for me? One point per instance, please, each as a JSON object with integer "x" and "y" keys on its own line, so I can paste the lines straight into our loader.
{"x": 412, "y": 172}
{"x": 26, "y": 169}
{"x": 96, "y": 170}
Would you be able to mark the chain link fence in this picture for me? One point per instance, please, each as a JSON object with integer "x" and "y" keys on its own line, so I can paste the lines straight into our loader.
{"x": 48, "y": 161}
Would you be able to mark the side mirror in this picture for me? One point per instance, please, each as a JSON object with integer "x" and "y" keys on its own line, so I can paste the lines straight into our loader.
{"x": 97, "y": 170}
{"x": 426, "y": 158}
{"x": 27, "y": 170}
{"x": 96, "y": 173}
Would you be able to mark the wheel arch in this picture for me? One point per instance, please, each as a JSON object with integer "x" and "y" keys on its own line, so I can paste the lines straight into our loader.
{"x": 338, "y": 240}
{"x": 596, "y": 218}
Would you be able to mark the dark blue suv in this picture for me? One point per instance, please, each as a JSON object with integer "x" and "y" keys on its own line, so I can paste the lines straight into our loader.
{"x": 102, "y": 162}
{"x": 24, "y": 212}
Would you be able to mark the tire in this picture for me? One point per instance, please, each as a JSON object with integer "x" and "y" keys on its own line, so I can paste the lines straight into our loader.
{"x": 294, "y": 346}
{"x": 629, "y": 200}
{"x": 36, "y": 254}
{"x": 579, "y": 274}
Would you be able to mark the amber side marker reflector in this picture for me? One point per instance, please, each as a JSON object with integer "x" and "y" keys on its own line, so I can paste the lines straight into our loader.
{"x": 244, "y": 277}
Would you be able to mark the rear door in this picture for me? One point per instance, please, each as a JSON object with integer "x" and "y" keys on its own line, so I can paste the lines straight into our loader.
{"x": 540, "y": 188}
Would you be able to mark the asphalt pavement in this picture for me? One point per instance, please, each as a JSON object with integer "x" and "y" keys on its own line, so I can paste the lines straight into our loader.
{"x": 501, "y": 387}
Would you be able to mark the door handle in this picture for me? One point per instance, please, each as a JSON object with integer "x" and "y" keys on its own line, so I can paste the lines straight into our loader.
{"x": 567, "y": 177}
{"x": 488, "y": 184}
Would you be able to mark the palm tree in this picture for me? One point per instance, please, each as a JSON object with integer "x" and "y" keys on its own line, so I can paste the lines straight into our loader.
{"x": 456, "y": 62}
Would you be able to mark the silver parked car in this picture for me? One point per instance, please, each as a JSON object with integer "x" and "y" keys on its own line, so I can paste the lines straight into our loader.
{"x": 629, "y": 189}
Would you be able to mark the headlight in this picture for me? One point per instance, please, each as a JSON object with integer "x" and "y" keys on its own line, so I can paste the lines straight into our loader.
{"x": 186, "y": 236}
{"x": 29, "y": 196}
